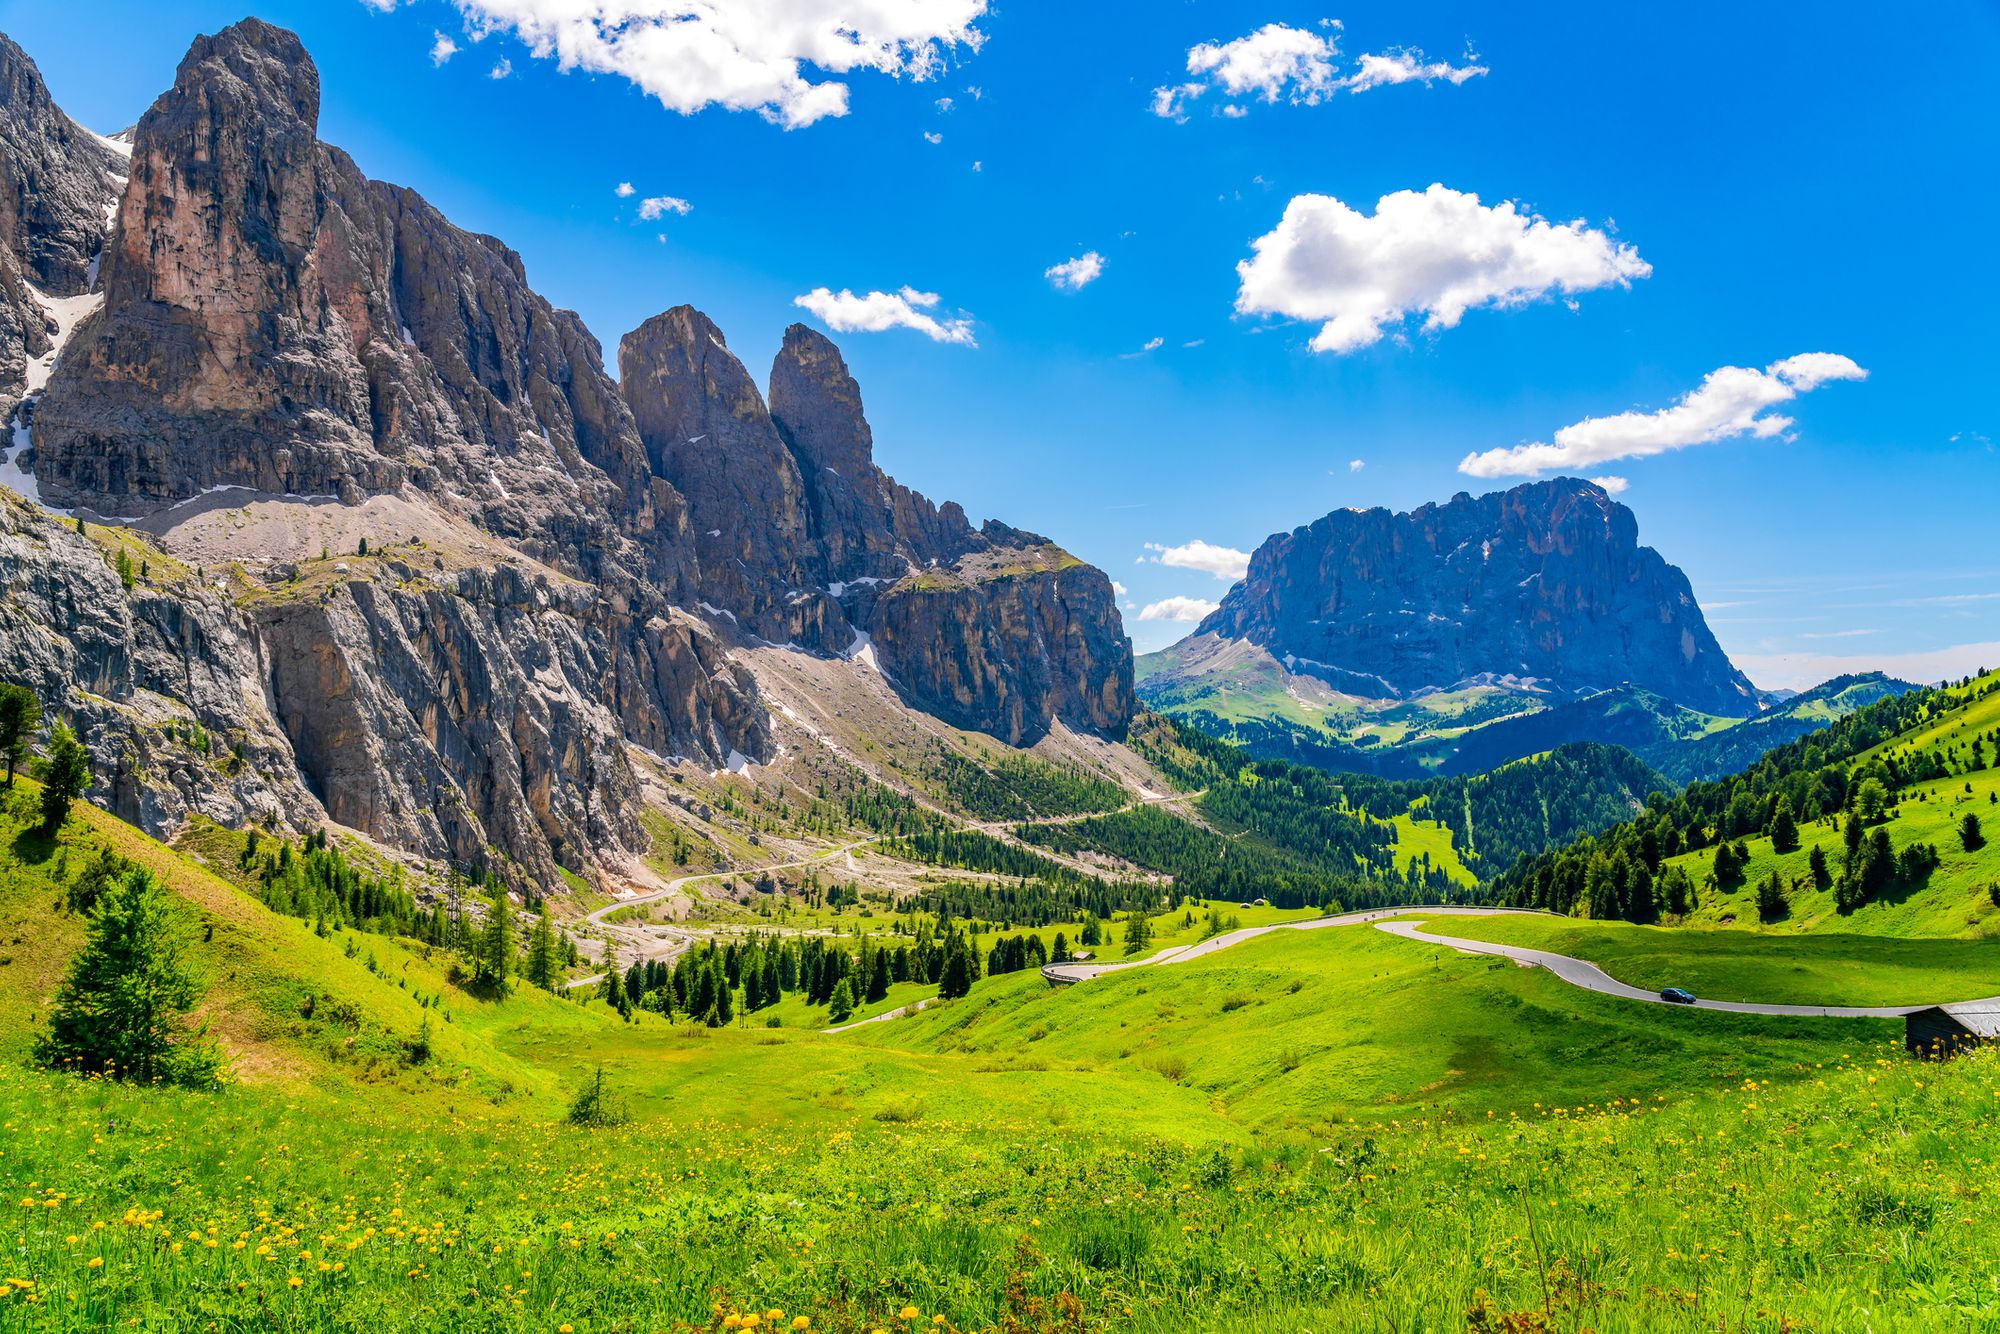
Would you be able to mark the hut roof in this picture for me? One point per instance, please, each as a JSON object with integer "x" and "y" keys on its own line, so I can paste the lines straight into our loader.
{"x": 1981, "y": 1016}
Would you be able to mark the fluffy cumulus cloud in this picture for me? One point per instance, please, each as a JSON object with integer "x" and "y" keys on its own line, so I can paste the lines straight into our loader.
{"x": 1225, "y": 563}
{"x": 1075, "y": 274}
{"x": 1730, "y": 402}
{"x": 779, "y": 58}
{"x": 876, "y": 312}
{"x": 1438, "y": 253}
{"x": 442, "y": 48}
{"x": 625, "y": 190}
{"x": 1614, "y": 486}
{"x": 660, "y": 205}
{"x": 1356, "y": 465}
{"x": 1176, "y": 609}
{"x": 1280, "y": 63}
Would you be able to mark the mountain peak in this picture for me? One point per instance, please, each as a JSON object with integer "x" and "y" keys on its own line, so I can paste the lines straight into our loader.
{"x": 1544, "y": 584}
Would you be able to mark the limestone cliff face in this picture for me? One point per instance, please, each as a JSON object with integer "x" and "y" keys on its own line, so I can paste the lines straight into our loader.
{"x": 468, "y": 684}
{"x": 1546, "y": 583}
{"x": 57, "y": 184}
{"x": 803, "y": 539}
{"x": 57, "y": 181}
{"x": 277, "y": 322}
{"x": 166, "y": 688}
{"x": 274, "y": 320}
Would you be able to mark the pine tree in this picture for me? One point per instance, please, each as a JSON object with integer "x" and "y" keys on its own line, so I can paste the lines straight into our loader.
{"x": 69, "y": 775}
{"x": 1771, "y": 898}
{"x": 126, "y": 575}
{"x": 20, "y": 719}
{"x": 1969, "y": 833}
{"x": 543, "y": 967}
{"x": 842, "y": 1001}
{"x": 1816, "y": 864}
{"x": 1138, "y": 931}
{"x": 122, "y": 1006}
{"x": 1784, "y": 829}
{"x": 725, "y": 997}
{"x": 878, "y": 977}
{"x": 495, "y": 957}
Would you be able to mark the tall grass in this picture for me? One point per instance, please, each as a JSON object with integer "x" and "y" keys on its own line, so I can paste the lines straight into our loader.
{"x": 1860, "y": 1198}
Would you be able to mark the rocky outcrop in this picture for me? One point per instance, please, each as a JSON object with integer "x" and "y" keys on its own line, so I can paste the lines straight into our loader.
{"x": 707, "y": 433}
{"x": 467, "y": 683}
{"x": 58, "y": 182}
{"x": 1008, "y": 640}
{"x": 274, "y": 320}
{"x": 803, "y": 539}
{"x": 165, "y": 687}
{"x": 1543, "y": 587}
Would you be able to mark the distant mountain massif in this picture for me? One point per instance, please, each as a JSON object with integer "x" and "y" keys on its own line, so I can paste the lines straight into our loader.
{"x": 1461, "y": 636}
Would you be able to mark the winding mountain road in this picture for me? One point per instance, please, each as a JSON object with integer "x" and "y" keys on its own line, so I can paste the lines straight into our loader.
{"x": 1576, "y": 972}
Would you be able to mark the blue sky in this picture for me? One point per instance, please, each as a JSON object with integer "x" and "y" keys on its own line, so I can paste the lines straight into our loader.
{"x": 1747, "y": 185}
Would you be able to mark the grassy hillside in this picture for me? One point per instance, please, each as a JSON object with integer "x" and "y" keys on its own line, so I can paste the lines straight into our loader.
{"x": 1900, "y": 775}
{"x": 291, "y": 1008}
{"x": 1323, "y": 1027}
{"x": 1262, "y": 1138}
{"x": 1858, "y": 1184}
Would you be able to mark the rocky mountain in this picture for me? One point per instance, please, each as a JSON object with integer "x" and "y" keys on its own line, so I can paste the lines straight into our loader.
{"x": 413, "y": 559}
{"x": 58, "y": 183}
{"x": 1370, "y": 630}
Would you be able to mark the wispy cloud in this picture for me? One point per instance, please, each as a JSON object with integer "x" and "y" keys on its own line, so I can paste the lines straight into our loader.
{"x": 1730, "y": 402}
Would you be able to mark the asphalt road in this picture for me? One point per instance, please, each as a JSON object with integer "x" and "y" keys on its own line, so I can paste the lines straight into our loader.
{"x": 1576, "y": 972}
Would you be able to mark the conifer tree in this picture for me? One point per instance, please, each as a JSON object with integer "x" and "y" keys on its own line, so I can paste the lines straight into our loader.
{"x": 20, "y": 719}
{"x": 1969, "y": 833}
{"x": 69, "y": 775}
{"x": 122, "y": 1006}
{"x": 495, "y": 957}
{"x": 1784, "y": 829}
{"x": 543, "y": 967}
{"x": 842, "y": 1001}
{"x": 878, "y": 976}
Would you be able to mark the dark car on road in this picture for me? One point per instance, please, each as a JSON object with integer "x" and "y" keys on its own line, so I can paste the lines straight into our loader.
{"x": 1677, "y": 996}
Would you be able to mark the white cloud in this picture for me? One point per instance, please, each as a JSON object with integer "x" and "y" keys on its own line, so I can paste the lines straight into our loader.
{"x": 625, "y": 190}
{"x": 1613, "y": 486}
{"x": 1119, "y": 588}
{"x": 933, "y": 138}
{"x": 442, "y": 48}
{"x": 1407, "y": 65}
{"x": 1356, "y": 465}
{"x": 502, "y": 70}
{"x": 944, "y": 105}
{"x": 1075, "y": 274}
{"x": 660, "y": 205}
{"x": 1273, "y": 62}
{"x": 875, "y": 312}
{"x": 693, "y": 54}
{"x": 1730, "y": 402}
{"x": 1176, "y": 609}
{"x": 1225, "y": 563}
{"x": 1281, "y": 63}
{"x": 1438, "y": 253}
